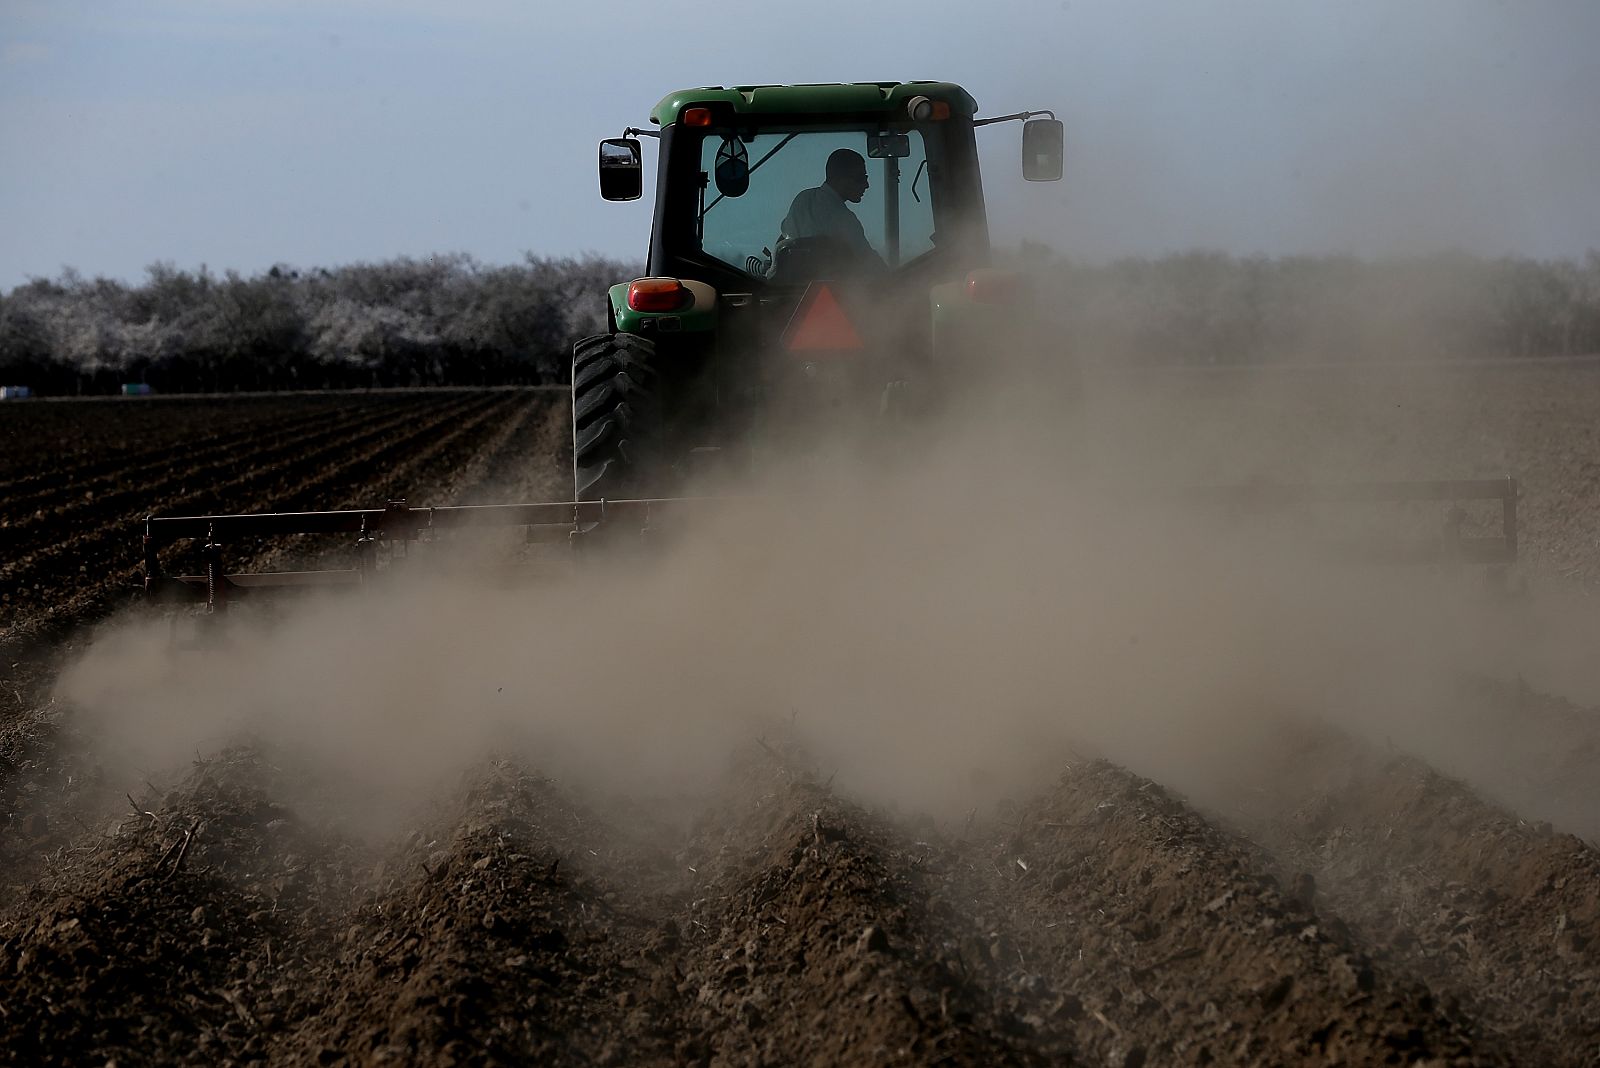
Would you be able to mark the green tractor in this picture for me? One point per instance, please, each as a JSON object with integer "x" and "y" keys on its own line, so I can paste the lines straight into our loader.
{"x": 819, "y": 261}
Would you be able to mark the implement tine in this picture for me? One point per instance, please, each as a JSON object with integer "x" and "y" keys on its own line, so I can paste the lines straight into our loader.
{"x": 152, "y": 559}
{"x": 216, "y": 582}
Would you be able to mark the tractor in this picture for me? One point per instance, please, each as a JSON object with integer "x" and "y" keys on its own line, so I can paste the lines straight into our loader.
{"x": 819, "y": 262}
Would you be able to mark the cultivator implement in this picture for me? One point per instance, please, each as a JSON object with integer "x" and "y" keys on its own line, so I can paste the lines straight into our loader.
{"x": 394, "y": 527}
{"x": 397, "y": 526}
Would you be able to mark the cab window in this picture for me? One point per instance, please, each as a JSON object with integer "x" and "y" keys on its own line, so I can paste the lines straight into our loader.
{"x": 752, "y": 179}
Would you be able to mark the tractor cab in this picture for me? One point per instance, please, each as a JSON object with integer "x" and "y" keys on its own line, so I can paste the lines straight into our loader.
{"x": 735, "y": 165}
{"x": 813, "y": 249}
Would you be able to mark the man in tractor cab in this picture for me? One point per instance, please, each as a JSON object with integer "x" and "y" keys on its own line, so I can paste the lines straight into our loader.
{"x": 821, "y": 229}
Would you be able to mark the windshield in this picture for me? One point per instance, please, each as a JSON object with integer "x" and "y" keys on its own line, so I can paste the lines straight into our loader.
{"x": 790, "y": 195}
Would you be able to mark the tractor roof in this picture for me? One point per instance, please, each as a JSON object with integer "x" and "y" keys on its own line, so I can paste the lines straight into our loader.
{"x": 805, "y": 99}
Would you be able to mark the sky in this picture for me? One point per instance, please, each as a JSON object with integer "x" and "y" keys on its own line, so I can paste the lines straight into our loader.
{"x": 245, "y": 133}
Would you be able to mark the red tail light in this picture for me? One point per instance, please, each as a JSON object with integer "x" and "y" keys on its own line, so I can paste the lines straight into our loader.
{"x": 987, "y": 285}
{"x": 657, "y": 294}
{"x": 697, "y": 116}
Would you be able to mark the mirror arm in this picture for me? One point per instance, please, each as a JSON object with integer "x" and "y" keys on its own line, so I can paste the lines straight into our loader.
{"x": 632, "y": 131}
{"x": 1023, "y": 115}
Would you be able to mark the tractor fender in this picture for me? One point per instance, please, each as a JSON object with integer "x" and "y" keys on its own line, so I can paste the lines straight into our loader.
{"x": 698, "y": 316}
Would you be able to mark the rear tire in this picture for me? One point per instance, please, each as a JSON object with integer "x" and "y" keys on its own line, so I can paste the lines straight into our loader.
{"x": 616, "y": 418}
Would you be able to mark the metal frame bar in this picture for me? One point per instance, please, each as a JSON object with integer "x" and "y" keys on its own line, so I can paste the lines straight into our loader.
{"x": 398, "y": 519}
{"x": 398, "y": 522}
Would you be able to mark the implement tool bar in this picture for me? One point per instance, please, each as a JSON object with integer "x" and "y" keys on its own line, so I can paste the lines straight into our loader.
{"x": 401, "y": 521}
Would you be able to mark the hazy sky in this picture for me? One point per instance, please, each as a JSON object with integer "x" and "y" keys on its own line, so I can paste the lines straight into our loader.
{"x": 240, "y": 133}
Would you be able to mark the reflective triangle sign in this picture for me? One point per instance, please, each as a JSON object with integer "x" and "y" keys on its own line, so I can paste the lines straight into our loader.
{"x": 819, "y": 323}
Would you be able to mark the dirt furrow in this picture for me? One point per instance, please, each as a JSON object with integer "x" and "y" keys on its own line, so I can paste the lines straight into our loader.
{"x": 425, "y": 461}
{"x": 420, "y": 467}
{"x": 1531, "y": 752}
{"x": 207, "y": 483}
{"x": 183, "y": 933}
{"x": 58, "y": 512}
{"x": 496, "y": 939}
{"x": 433, "y": 467}
{"x": 111, "y": 468}
{"x": 75, "y": 433}
{"x": 536, "y": 462}
{"x": 813, "y": 937}
{"x": 514, "y": 927}
{"x": 1165, "y": 941}
{"x": 787, "y": 927}
{"x": 114, "y": 549}
{"x": 421, "y": 459}
{"x": 174, "y": 493}
{"x": 1102, "y": 922}
{"x": 470, "y": 478}
{"x": 1494, "y": 912}
{"x": 36, "y": 778}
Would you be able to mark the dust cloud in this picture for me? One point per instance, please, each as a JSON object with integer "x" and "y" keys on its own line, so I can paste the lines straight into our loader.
{"x": 1015, "y": 587}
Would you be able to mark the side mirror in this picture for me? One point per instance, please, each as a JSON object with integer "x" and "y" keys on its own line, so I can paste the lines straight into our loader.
{"x": 732, "y": 168}
{"x": 1042, "y": 150}
{"x": 621, "y": 169}
{"x": 887, "y": 145}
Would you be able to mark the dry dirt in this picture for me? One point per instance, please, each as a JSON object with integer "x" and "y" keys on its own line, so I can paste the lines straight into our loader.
{"x": 1325, "y": 889}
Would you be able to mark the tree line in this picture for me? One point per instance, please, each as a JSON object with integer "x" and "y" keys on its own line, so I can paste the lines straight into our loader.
{"x": 1211, "y": 308}
{"x": 441, "y": 320}
{"x": 450, "y": 320}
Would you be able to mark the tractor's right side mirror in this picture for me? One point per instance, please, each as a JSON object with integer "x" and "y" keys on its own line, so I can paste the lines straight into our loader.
{"x": 1042, "y": 150}
{"x": 621, "y": 169}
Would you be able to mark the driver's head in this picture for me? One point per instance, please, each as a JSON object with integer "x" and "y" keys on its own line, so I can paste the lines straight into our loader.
{"x": 847, "y": 174}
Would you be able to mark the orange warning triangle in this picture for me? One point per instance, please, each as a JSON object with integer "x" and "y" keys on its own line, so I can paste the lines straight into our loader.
{"x": 820, "y": 324}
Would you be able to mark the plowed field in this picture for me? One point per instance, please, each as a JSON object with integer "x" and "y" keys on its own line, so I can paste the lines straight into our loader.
{"x": 1306, "y": 884}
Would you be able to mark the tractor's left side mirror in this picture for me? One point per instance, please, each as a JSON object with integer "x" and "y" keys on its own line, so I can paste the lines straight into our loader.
{"x": 621, "y": 169}
{"x": 1042, "y": 150}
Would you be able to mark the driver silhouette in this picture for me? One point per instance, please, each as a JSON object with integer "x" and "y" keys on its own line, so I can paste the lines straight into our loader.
{"x": 822, "y": 212}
